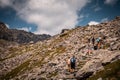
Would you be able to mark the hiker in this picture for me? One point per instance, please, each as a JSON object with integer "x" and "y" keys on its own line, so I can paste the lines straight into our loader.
{"x": 68, "y": 64}
{"x": 95, "y": 46}
{"x": 89, "y": 40}
{"x": 93, "y": 41}
{"x": 89, "y": 50}
{"x": 73, "y": 63}
{"x": 98, "y": 40}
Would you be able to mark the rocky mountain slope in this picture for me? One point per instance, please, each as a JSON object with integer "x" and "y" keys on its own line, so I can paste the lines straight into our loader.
{"x": 47, "y": 60}
{"x": 20, "y": 36}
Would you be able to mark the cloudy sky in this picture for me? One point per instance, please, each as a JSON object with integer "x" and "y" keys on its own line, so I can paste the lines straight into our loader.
{"x": 51, "y": 16}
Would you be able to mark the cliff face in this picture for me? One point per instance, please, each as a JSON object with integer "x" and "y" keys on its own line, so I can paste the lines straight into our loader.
{"x": 20, "y": 36}
{"x": 47, "y": 59}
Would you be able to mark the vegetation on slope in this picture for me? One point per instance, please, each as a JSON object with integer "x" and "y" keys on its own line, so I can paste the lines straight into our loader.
{"x": 110, "y": 72}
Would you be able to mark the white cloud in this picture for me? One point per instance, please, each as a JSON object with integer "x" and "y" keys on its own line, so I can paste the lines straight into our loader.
{"x": 4, "y": 3}
{"x": 110, "y": 2}
{"x": 82, "y": 17}
{"x": 97, "y": 9}
{"x": 93, "y": 23}
{"x": 51, "y": 16}
{"x": 25, "y": 28}
{"x": 104, "y": 20}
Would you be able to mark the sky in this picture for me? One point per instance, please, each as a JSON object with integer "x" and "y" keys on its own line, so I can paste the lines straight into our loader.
{"x": 51, "y": 16}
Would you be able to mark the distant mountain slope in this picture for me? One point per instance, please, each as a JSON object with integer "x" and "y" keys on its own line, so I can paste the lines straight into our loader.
{"x": 20, "y": 36}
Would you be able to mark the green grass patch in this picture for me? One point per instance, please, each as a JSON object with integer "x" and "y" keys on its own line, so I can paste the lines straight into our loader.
{"x": 53, "y": 74}
{"x": 81, "y": 64}
{"x": 38, "y": 63}
{"x": 57, "y": 51}
{"x": 15, "y": 71}
{"x": 3, "y": 59}
{"x": 15, "y": 51}
{"x": 110, "y": 71}
{"x": 11, "y": 55}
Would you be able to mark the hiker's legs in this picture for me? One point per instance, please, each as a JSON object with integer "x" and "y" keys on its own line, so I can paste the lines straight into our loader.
{"x": 73, "y": 67}
{"x": 90, "y": 51}
{"x": 98, "y": 45}
{"x": 87, "y": 51}
{"x": 69, "y": 67}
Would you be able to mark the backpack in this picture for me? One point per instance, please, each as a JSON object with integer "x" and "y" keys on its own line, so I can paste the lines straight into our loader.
{"x": 97, "y": 39}
{"x": 72, "y": 60}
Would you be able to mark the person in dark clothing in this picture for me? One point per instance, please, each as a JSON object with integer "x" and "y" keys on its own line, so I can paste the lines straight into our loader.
{"x": 73, "y": 63}
{"x": 89, "y": 40}
{"x": 95, "y": 47}
{"x": 93, "y": 41}
{"x": 69, "y": 64}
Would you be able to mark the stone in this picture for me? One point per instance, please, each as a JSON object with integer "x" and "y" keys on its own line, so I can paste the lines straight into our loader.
{"x": 84, "y": 76}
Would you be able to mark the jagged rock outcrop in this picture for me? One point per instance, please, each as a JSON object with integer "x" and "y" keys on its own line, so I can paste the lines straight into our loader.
{"x": 47, "y": 59}
{"x": 64, "y": 30}
{"x": 20, "y": 36}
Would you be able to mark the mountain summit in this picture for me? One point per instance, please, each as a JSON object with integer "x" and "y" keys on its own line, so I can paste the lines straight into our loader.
{"x": 46, "y": 60}
{"x": 20, "y": 36}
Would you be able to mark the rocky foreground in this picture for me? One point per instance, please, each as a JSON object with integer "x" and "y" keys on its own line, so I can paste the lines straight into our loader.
{"x": 47, "y": 60}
